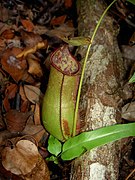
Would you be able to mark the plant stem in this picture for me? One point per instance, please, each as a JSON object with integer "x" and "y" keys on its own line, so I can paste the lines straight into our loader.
{"x": 84, "y": 65}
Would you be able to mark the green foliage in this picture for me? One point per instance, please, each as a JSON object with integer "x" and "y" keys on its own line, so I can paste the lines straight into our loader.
{"x": 78, "y": 41}
{"x": 132, "y": 79}
{"x": 53, "y": 158}
{"x": 131, "y": 1}
{"x": 54, "y": 146}
{"x": 76, "y": 146}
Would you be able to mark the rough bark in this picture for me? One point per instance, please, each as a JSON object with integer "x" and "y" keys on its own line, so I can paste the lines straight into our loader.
{"x": 100, "y": 97}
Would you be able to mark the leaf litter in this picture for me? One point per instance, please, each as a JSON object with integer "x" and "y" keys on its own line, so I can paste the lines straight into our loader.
{"x": 29, "y": 33}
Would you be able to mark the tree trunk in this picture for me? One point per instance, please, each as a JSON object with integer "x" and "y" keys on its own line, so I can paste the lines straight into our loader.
{"x": 100, "y": 97}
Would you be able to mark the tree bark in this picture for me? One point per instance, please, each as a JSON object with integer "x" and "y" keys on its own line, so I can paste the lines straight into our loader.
{"x": 100, "y": 97}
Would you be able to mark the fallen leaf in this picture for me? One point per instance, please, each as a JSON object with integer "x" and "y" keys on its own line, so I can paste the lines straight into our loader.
{"x": 25, "y": 102}
{"x": 33, "y": 93}
{"x": 40, "y": 29}
{"x": 132, "y": 39}
{"x": 27, "y": 51}
{"x": 37, "y": 115}
{"x": 58, "y": 20}
{"x": 25, "y": 155}
{"x": 127, "y": 92}
{"x": 4, "y": 13}
{"x": 37, "y": 131}
{"x": 34, "y": 66}
{"x": 15, "y": 67}
{"x": 6, "y": 104}
{"x": 25, "y": 106}
{"x": 128, "y": 111}
{"x": 68, "y": 3}
{"x": 16, "y": 120}
{"x": 8, "y": 34}
{"x": 39, "y": 172}
{"x": 22, "y": 93}
{"x": 4, "y": 135}
{"x": 11, "y": 91}
{"x": 27, "y": 24}
{"x": 15, "y": 42}
{"x": 2, "y": 44}
{"x": 30, "y": 39}
{"x": 27, "y": 163}
{"x": 62, "y": 31}
{"x": 2, "y": 124}
{"x": 128, "y": 52}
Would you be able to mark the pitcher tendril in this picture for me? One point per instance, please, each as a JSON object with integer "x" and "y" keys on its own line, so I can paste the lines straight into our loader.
{"x": 84, "y": 65}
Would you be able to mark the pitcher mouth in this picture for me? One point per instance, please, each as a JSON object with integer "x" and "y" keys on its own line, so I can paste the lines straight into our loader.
{"x": 64, "y": 62}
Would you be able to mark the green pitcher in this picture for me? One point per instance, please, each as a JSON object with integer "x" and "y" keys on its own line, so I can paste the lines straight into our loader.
{"x": 60, "y": 97}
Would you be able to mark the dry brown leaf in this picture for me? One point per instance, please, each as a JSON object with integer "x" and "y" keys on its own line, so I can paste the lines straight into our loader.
{"x": 27, "y": 163}
{"x": 127, "y": 92}
{"x": 8, "y": 34}
{"x": 6, "y": 104}
{"x": 132, "y": 39}
{"x": 128, "y": 53}
{"x": 22, "y": 94}
{"x": 2, "y": 124}
{"x": 25, "y": 155}
{"x": 68, "y": 3}
{"x": 58, "y": 20}
{"x": 4, "y": 135}
{"x": 3, "y": 81}
{"x": 27, "y": 24}
{"x": 30, "y": 39}
{"x": 34, "y": 66}
{"x": 40, "y": 29}
{"x": 11, "y": 91}
{"x": 28, "y": 78}
{"x": 62, "y": 31}
{"x": 5, "y": 26}
{"x": 27, "y": 51}
{"x": 13, "y": 42}
{"x": 25, "y": 102}
{"x": 15, "y": 67}
{"x": 39, "y": 172}
{"x": 37, "y": 114}
{"x": 33, "y": 94}
{"x": 24, "y": 106}
{"x": 2, "y": 44}
{"x": 37, "y": 131}
{"x": 4, "y": 13}
{"x": 128, "y": 111}
{"x": 16, "y": 120}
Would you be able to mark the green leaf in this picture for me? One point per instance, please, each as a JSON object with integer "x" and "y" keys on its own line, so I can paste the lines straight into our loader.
{"x": 132, "y": 79}
{"x": 77, "y": 145}
{"x": 54, "y": 146}
{"x": 53, "y": 158}
{"x": 131, "y": 1}
{"x": 77, "y": 41}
